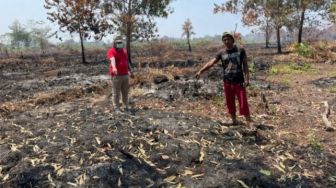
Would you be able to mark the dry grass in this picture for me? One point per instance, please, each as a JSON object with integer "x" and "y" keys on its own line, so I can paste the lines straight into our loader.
{"x": 49, "y": 60}
{"x": 318, "y": 52}
{"x": 147, "y": 75}
{"x": 47, "y": 98}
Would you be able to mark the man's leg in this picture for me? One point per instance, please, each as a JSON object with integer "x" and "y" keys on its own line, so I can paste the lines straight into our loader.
{"x": 125, "y": 90}
{"x": 230, "y": 101}
{"x": 243, "y": 103}
{"x": 116, "y": 89}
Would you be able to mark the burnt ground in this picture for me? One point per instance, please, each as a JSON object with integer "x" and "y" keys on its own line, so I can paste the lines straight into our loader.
{"x": 58, "y": 128}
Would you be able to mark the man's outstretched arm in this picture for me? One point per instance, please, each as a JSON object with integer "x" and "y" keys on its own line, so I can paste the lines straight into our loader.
{"x": 207, "y": 66}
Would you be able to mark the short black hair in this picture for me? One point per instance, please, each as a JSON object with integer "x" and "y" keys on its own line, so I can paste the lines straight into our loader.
{"x": 226, "y": 34}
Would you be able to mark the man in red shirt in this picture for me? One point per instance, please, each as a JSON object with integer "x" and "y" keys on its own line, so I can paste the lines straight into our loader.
{"x": 236, "y": 77}
{"x": 119, "y": 70}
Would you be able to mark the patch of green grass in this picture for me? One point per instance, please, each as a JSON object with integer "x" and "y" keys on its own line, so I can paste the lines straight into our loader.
{"x": 251, "y": 67}
{"x": 286, "y": 81}
{"x": 303, "y": 49}
{"x": 291, "y": 68}
{"x": 273, "y": 110}
{"x": 332, "y": 89}
{"x": 218, "y": 100}
{"x": 314, "y": 142}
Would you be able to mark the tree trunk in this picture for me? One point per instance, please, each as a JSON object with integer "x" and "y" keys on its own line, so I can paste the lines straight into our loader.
{"x": 82, "y": 45}
{"x": 129, "y": 32}
{"x": 278, "y": 39}
{"x": 267, "y": 34}
{"x": 7, "y": 53}
{"x": 301, "y": 25}
{"x": 189, "y": 46}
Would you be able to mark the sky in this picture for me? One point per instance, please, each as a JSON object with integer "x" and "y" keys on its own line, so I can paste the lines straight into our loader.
{"x": 200, "y": 13}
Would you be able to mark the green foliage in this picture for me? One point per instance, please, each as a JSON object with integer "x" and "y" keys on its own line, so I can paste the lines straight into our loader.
{"x": 218, "y": 100}
{"x": 19, "y": 37}
{"x": 314, "y": 142}
{"x": 251, "y": 65}
{"x": 265, "y": 172}
{"x": 332, "y": 12}
{"x": 303, "y": 49}
{"x": 40, "y": 34}
{"x": 332, "y": 89}
{"x": 292, "y": 68}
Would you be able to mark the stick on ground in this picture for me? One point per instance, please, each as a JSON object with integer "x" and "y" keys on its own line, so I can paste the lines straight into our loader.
{"x": 325, "y": 116}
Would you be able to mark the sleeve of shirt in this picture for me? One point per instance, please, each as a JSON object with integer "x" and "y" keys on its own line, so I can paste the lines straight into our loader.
{"x": 218, "y": 55}
{"x": 110, "y": 54}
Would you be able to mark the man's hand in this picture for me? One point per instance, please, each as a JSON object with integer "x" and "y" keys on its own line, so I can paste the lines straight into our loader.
{"x": 246, "y": 83}
{"x": 115, "y": 72}
{"x": 198, "y": 74}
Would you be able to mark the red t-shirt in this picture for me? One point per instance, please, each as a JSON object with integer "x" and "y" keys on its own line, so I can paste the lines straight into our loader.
{"x": 121, "y": 61}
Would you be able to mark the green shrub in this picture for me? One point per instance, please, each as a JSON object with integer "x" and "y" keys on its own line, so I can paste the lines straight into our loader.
{"x": 218, "y": 100}
{"x": 291, "y": 68}
{"x": 303, "y": 49}
{"x": 314, "y": 142}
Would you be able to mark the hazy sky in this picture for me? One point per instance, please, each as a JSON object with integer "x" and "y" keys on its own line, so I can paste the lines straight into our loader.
{"x": 200, "y": 12}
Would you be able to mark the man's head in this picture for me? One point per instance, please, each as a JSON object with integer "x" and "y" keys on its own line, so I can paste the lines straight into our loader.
{"x": 118, "y": 42}
{"x": 228, "y": 39}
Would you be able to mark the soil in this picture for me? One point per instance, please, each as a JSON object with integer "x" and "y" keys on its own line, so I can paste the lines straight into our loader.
{"x": 58, "y": 127}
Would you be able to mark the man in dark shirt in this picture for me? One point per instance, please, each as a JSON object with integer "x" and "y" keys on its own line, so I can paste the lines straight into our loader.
{"x": 236, "y": 77}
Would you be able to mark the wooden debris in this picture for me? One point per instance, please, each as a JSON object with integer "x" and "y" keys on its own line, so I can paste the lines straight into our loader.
{"x": 264, "y": 101}
{"x": 325, "y": 117}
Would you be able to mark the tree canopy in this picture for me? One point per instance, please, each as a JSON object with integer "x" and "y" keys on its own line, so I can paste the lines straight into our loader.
{"x": 82, "y": 17}
{"x": 135, "y": 18}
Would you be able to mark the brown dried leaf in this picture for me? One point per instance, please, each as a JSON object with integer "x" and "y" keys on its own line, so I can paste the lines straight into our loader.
{"x": 165, "y": 157}
{"x": 98, "y": 140}
{"x": 243, "y": 184}
{"x": 170, "y": 179}
{"x": 197, "y": 175}
{"x": 280, "y": 168}
{"x": 201, "y": 158}
{"x": 187, "y": 173}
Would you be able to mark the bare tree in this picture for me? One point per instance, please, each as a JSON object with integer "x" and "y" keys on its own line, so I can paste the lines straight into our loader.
{"x": 188, "y": 31}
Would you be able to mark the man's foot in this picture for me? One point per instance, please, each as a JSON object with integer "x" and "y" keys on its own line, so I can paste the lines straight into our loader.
{"x": 234, "y": 120}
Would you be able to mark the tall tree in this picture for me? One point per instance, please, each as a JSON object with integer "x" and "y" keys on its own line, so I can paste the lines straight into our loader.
{"x": 332, "y": 11}
{"x": 274, "y": 13}
{"x": 134, "y": 18}
{"x": 303, "y": 12}
{"x": 254, "y": 14}
{"x": 188, "y": 31}
{"x": 80, "y": 16}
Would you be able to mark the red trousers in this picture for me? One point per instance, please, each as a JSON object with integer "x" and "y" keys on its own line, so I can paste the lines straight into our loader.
{"x": 231, "y": 91}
